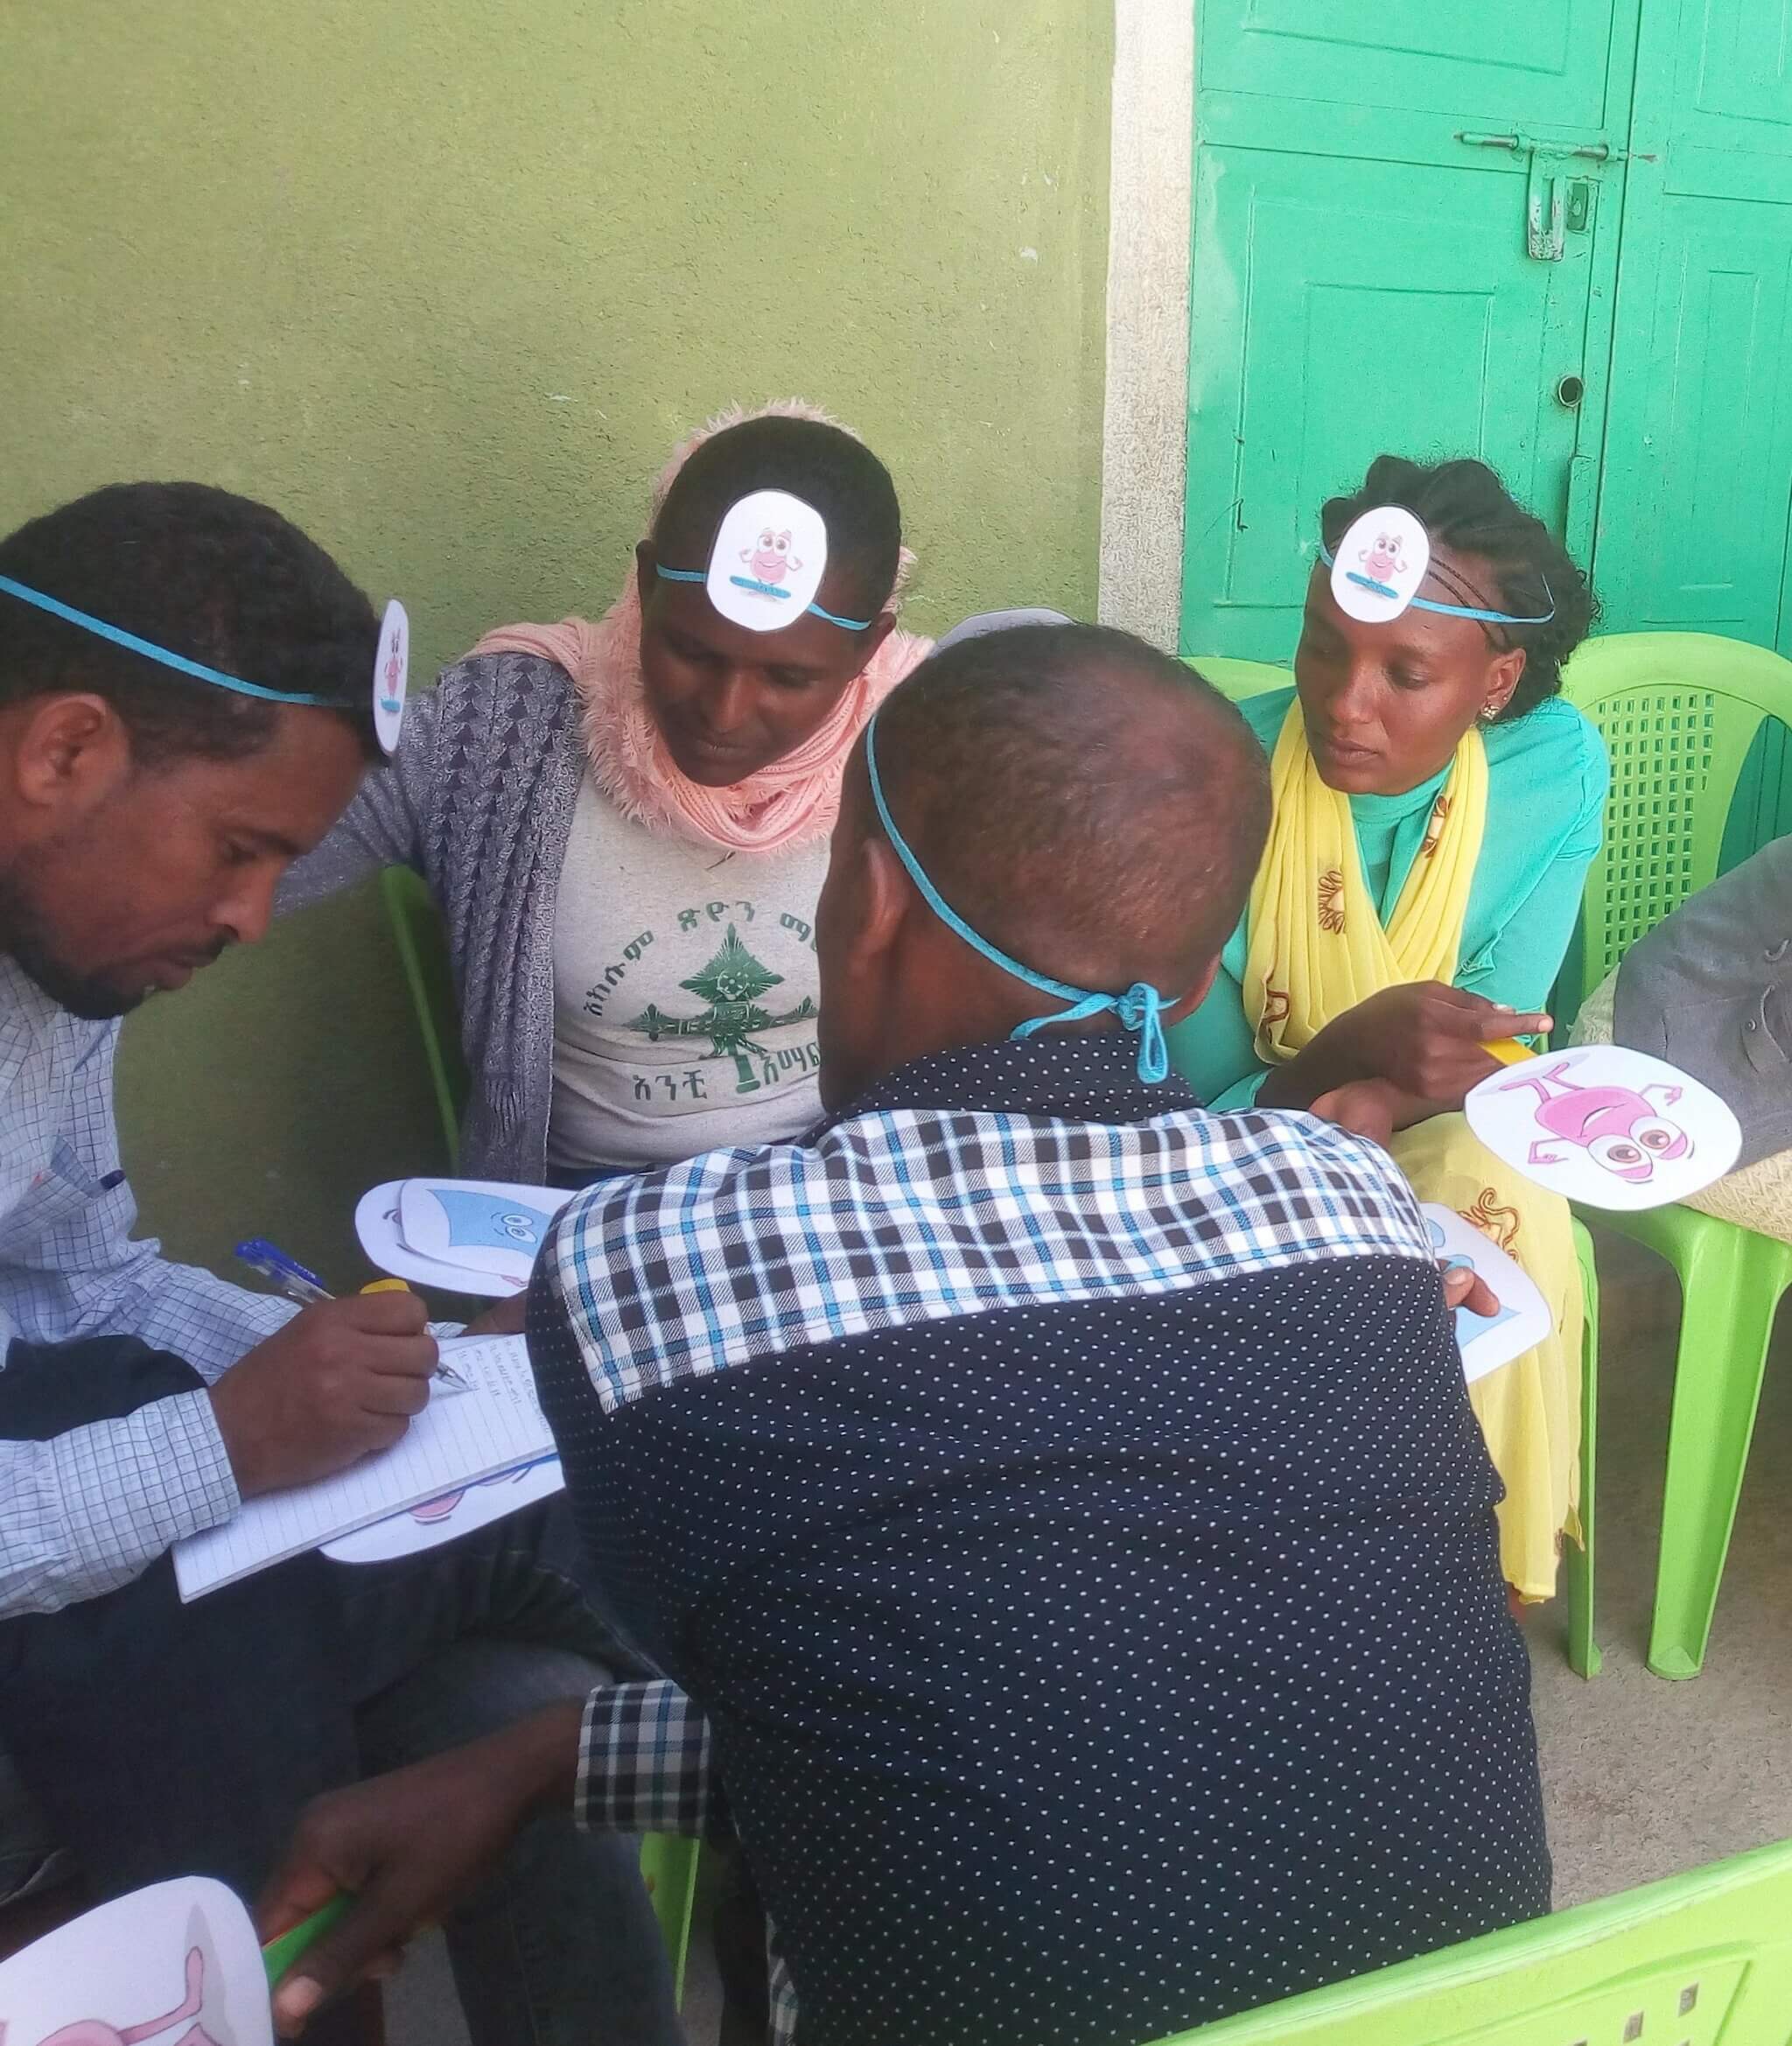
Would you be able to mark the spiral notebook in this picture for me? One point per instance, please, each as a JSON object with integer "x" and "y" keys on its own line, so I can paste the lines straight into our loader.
{"x": 456, "y": 1441}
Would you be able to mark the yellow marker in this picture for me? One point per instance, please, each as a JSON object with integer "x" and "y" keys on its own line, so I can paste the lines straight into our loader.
{"x": 1508, "y": 1051}
{"x": 386, "y": 1286}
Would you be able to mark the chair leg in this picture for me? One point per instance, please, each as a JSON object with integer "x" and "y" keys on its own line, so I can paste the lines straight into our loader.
{"x": 1730, "y": 1291}
{"x": 1583, "y": 1656}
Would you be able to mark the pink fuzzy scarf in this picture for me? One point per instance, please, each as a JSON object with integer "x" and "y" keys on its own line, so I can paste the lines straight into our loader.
{"x": 790, "y": 803}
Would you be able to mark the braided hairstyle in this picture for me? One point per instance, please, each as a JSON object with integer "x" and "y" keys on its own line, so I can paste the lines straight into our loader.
{"x": 1464, "y": 507}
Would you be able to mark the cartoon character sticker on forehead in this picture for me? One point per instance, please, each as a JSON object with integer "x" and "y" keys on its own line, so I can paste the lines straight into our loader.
{"x": 1380, "y": 563}
{"x": 766, "y": 565}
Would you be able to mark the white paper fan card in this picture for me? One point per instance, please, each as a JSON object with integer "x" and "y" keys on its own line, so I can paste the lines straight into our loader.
{"x": 768, "y": 561}
{"x": 1380, "y": 563}
{"x": 468, "y": 1236}
{"x": 176, "y": 1964}
{"x": 1522, "y": 1319}
{"x": 432, "y": 1522}
{"x": 1607, "y": 1126}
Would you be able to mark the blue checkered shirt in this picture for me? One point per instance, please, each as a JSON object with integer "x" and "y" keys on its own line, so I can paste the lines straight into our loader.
{"x": 88, "y": 1510}
{"x": 644, "y": 1766}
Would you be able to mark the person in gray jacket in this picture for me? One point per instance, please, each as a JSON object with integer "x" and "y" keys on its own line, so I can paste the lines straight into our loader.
{"x": 626, "y": 822}
{"x": 1710, "y": 990}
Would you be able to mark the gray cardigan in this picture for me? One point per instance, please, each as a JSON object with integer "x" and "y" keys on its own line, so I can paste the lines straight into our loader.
{"x": 1710, "y": 990}
{"x": 479, "y": 801}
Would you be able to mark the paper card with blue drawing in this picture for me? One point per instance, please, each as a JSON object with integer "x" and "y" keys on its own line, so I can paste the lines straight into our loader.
{"x": 433, "y": 1522}
{"x": 176, "y": 1964}
{"x": 1522, "y": 1319}
{"x": 466, "y": 1236}
{"x": 1607, "y": 1126}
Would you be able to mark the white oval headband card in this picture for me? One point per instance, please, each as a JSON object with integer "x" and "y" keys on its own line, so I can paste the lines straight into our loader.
{"x": 1380, "y": 563}
{"x": 391, "y": 673}
{"x": 1607, "y": 1126}
{"x": 768, "y": 562}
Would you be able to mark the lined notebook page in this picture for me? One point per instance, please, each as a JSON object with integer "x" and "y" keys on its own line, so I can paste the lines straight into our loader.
{"x": 459, "y": 1438}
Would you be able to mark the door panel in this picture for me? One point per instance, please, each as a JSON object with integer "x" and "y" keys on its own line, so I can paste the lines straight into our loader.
{"x": 1363, "y": 279}
{"x": 1696, "y": 507}
{"x": 1692, "y": 528}
{"x": 1312, "y": 352}
{"x": 1512, "y": 60}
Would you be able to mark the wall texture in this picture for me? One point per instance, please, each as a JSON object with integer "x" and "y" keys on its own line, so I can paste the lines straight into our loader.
{"x": 444, "y": 283}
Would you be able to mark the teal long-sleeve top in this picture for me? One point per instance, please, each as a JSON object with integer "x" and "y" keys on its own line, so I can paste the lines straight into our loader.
{"x": 1547, "y": 778}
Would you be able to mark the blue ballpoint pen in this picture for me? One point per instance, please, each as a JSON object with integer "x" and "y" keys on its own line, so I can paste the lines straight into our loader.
{"x": 305, "y": 1286}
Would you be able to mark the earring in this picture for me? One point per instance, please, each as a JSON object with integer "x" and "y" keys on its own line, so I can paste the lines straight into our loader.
{"x": 1489, "y": 712}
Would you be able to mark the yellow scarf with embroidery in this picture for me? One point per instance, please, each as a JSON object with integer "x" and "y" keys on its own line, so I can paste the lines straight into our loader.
{"x": 1316, "y": 945}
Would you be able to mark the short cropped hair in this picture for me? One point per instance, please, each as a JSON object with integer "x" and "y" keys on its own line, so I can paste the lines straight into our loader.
{"x": 1081, "y": 800}
{"x": 216, "y": 577}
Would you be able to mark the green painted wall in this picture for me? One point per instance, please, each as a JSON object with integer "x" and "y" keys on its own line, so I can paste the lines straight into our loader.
{"x": 444, "y": 283}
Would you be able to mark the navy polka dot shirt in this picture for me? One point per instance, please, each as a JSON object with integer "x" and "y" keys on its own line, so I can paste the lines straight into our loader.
{"x": 1066, "y": 1508}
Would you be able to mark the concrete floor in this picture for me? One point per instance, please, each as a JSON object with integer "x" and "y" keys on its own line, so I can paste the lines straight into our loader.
{"x": 1643, "y": 1779}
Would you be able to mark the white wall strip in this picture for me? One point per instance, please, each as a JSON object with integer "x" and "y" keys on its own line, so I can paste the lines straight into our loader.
{"x": 1146, "y": 414}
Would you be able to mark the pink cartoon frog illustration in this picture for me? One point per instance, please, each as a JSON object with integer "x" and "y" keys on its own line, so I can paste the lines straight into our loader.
{"x": 1384, "y": 559}
{"x": 1623, "y": 1132}
{"x": 771, "y": 560}
{"x": 391, "y": 676}
{"x": 431, "y": 1512}
{"x": 97, "y": 2032}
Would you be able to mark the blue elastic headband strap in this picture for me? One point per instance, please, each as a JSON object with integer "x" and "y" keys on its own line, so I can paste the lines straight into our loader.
{"x": 695, "y": 575}
{"x": 1140, "y": 1008}
{"x": 151, "y": 651}
{"x": 1466, "y": 610}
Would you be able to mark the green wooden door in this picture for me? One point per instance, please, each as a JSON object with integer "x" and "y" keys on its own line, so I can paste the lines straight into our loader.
{"x": 1395, "y": 249}
{"x": 1695, "y": 507}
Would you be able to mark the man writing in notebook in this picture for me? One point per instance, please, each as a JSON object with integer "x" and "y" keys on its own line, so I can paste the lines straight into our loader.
{"x": 187, "y": 702}
{"x": 1059, "y": 1509}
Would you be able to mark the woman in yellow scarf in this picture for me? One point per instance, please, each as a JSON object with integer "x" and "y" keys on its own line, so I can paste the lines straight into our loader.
{"x": 1436, "y": 804}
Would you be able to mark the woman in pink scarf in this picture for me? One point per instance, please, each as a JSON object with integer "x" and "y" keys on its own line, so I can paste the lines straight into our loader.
{"x": 625, "y": 822}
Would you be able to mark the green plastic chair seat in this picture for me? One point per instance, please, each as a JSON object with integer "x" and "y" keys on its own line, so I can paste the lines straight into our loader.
{"x": 1680, "y": 712}
{"x": 1703, "y": 1959}
{"x": 1238, "y": 679}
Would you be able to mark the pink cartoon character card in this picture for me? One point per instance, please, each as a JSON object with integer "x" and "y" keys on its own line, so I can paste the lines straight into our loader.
{"x": 175, "y": 1965}
{"x": 1607, "y": 1126}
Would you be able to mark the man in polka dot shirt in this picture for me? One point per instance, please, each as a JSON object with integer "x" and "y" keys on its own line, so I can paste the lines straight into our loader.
{"x": 1057, "y": 1511}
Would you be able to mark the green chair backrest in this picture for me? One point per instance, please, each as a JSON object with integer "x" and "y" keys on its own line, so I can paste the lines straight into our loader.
{"x": 1239, "y": 679}
{"x": 423, "y": 951}
{"x": 1680, "y": 712}
{"x": 1703, "y": 1959}
{"x": 668, "y": 1865}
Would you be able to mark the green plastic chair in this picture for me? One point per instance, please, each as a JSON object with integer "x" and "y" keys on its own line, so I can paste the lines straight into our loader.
{"x": 422, "y": 952}
{"x": 1703, "y": 1959}
{"x": 1239, "y": 680}
{"x": 669, "y": 1864}
{"x": 1681, "y": 713}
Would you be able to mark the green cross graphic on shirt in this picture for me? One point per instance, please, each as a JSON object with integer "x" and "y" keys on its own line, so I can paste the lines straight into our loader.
{"x": 731, "y": 984}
